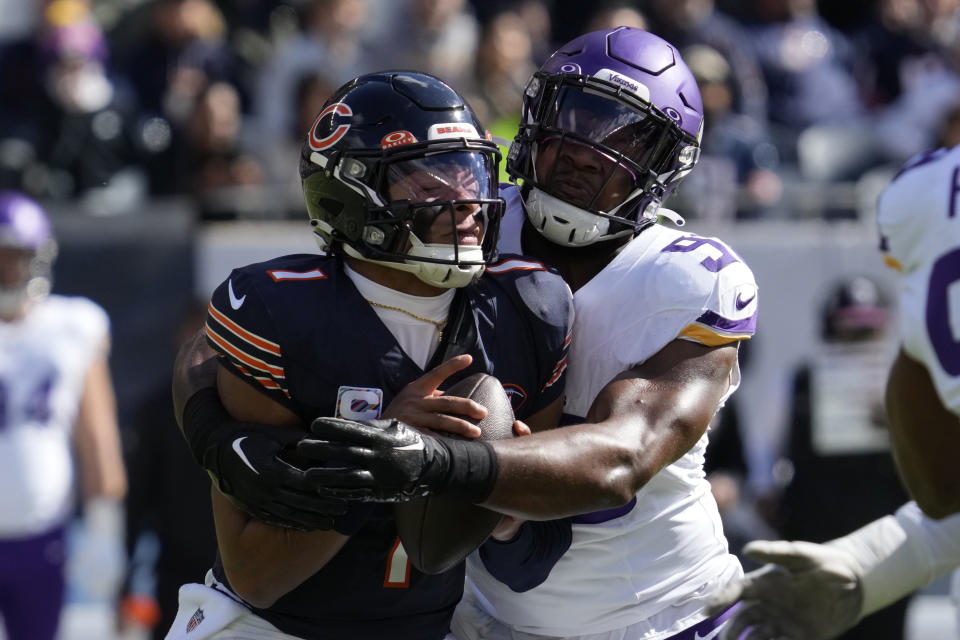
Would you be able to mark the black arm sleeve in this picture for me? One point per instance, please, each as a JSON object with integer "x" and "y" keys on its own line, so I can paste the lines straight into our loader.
{"x": 204, "y": 418}
{"x": 525, "y": 561}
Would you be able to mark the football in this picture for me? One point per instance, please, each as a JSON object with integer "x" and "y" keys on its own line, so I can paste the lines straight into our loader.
{"x": 438, "y": 531}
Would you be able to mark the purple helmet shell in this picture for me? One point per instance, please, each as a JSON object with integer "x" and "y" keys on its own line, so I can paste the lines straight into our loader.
{"x": 23, "y": 223}
{"x": 619, "y": 104}
{"x": 639, "y": 56}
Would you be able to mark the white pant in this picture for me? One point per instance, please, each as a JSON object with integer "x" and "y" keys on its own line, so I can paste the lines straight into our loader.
{"x": 472, "y": 622}
{"x": 205, "y": 613}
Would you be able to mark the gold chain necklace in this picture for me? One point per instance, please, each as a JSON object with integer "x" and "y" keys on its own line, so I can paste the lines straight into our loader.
{"x": 439, "y": 324}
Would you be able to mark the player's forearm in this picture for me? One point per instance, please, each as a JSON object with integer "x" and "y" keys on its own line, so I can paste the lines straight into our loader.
{"x": 635, "y": 428}
{"x": 97, "y": 438}
{"x": 195, "y": 368}
{"x": 936, "y": 491}
{"x": 262, "y": 562}
{"x": 566, "y": 471}
{"x": 925, "y": 436}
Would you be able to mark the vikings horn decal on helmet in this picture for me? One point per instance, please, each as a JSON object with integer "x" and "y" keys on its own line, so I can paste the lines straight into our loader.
{"x": 611, "y": 124}
{"x": 397, "y": 170}
{"x": 24, "y": 227}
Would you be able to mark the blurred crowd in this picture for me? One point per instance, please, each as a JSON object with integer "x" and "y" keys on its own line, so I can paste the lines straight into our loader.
{"x": 112, "y": 102}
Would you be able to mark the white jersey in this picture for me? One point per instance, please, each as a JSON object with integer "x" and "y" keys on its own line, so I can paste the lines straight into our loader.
{"x": 45, "y": 359}
{"x": 919, "y": 219}
{"x": 664, "y": 554}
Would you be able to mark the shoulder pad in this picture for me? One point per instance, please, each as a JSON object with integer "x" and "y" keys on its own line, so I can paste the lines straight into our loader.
{"x": 538, "y": 286}
{"x": 917, "y": 212}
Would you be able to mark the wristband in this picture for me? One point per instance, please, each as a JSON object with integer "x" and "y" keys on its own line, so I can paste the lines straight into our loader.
{"x": 473, "y": 469}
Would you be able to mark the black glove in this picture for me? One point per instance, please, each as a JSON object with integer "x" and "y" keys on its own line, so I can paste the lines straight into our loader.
{"x": 251, "y": 470}
{"x": 251, "y": 466}
{"x": 390, "y": 461}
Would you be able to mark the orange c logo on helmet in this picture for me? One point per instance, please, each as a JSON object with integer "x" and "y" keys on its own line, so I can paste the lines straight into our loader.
{"x": 335, "y": 110}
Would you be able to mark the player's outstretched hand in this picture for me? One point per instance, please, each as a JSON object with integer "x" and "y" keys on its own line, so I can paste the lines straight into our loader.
{"x": 253, "y": 471}
{"x": 421, "y": 403}
{"x": 808, "y": 592}
{"x": 385, "y": 460}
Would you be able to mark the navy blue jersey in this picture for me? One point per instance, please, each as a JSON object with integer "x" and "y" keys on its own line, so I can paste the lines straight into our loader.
{"x": 297, "y": 330}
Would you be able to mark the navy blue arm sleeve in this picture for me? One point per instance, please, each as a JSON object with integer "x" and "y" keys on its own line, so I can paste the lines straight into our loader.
{"x": 525, "y": 561}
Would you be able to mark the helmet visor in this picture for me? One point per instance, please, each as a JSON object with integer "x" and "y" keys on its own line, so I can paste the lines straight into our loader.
{"x": 449, "y": 195}
{"x": 595, "y": 152}
{"x": 642, "y": 137}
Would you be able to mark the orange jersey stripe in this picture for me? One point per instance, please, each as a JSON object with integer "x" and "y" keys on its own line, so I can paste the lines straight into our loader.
{"x": 516, "y": 265}
{"x": 243, "y": 334}
{"x": 250, "y": 361}
{"x": 557, "y": 372}
{"x": 267, "y": 383}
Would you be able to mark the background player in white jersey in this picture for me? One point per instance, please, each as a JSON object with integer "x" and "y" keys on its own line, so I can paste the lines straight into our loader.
{"x": 56, "y": 402}
{"x": 819, "y": 591}
{"x": 611, "y": 124}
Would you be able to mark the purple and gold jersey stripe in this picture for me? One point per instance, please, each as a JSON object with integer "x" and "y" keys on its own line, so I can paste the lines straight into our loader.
{"x": 714, "y": 330}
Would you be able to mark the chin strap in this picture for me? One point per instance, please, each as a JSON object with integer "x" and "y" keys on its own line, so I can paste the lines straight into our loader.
{"x": 672, "y": 216}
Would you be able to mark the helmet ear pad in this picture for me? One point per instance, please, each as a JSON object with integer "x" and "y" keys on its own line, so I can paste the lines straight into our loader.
{"x": 346, "y": 216}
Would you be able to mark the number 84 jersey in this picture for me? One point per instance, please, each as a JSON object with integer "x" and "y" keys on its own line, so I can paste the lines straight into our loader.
{"x": 919, "y": 219}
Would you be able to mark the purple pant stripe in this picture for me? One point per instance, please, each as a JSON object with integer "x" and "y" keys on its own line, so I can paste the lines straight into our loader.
{"x": 705, "y": 630}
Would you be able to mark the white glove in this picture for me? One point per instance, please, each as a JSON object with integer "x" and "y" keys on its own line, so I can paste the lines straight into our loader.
{"x": 815, "y": 593}
{"x": 97, "y": 562}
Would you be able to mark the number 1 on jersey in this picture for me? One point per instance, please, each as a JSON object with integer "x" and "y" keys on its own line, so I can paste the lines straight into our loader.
{"x": 398, "y": 567}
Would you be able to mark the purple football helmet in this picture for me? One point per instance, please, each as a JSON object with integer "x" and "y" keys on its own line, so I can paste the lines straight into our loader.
{"x": 24, "y": 228}
{"x": 611, "y": 124}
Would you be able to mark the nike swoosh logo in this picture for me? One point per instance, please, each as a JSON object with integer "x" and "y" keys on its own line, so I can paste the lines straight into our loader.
{"x": 235, "y": 302}
{"x": 697, "y": 636}
{"x": 416, "y": 446}
{"x": 243, "y": 456}
{"x": 741, "y": 303}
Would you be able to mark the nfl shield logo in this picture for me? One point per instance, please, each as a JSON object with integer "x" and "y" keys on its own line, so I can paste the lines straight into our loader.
{"x": 195, "y": 619}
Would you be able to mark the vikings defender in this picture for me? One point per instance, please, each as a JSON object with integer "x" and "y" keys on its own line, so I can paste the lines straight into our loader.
{"x": 56, "y": 406}
{"x": 611, "y": 125}
{"x": 401, "y": 190}
{"x": 819, "y": 591}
